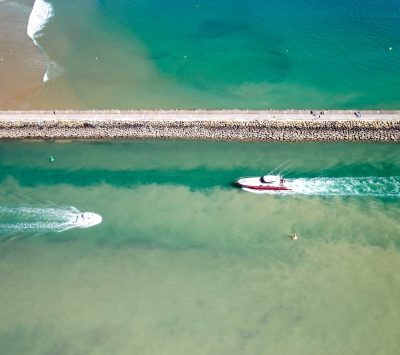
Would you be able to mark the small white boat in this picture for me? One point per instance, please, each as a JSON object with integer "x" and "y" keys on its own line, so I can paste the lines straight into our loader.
{"x": 264, "y": 183}
{"x": 87, "y": 219}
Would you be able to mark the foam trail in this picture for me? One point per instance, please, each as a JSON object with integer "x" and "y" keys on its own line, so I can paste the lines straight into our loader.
{"x": 40, "y": 220}
{"x": 348, "y": 186}
{"x": 41, "y": 13}
{"x": 343, "y": 186}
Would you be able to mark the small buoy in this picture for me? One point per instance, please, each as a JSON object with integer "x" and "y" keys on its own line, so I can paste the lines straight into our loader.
{"x": 51, "y": 158}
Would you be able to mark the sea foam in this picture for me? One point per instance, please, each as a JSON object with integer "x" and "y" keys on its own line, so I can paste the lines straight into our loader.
{"x": 41, "y": 13}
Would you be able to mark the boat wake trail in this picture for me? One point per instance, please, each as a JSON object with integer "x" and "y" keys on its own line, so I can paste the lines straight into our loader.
{"x": 348, "y": 186}
{"x": 40, "y": 220}
{"x": 345, "y": 186}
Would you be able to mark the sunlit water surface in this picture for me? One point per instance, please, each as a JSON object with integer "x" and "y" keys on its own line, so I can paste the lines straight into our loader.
{"x": 186, "y": 263}
{"x": 256, "y": 54}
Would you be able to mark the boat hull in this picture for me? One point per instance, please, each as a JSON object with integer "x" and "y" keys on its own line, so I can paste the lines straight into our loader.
{"x": 275, "y": 183}
{"x": 265, "y": 188}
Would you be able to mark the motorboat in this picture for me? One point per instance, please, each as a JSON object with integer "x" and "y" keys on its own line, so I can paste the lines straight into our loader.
{"x": 264, "y": 183}
{"x": 87, "y": 219}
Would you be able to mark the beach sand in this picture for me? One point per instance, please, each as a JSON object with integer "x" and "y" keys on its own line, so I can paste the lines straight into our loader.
{"x": 21, "y": 65}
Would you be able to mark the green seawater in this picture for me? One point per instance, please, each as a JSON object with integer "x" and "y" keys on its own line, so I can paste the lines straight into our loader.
{"x": 236, "y": 54}
{"x": 184, "y": 262}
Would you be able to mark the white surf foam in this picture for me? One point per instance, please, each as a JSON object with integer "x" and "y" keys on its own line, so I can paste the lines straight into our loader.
{"x": 40, "y": 220}
{"x": 41, "y": 14}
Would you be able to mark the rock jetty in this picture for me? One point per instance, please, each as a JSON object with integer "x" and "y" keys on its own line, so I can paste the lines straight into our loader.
{"x": 292, "y": 126}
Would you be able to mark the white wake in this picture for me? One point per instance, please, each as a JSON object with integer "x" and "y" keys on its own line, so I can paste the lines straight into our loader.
{"x": 37, "y": 220}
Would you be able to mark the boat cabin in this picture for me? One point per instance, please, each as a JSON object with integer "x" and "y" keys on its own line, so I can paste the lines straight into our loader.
{"x": 271, "y": 179}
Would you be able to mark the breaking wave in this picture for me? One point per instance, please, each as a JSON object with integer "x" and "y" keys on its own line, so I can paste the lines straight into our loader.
{"x": 41, "y": 13}
{"x": 345, "y": 186}
{"x": 38, "y": 220}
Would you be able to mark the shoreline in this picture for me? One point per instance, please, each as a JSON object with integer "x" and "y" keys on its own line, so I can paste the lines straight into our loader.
{"x": 236, "y": 125}
{"x": 21, "y": 64}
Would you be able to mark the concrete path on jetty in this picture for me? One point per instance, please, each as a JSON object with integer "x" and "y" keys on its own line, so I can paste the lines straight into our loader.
{"x": 201, "y": 115}
{"x": 271, "y": 125}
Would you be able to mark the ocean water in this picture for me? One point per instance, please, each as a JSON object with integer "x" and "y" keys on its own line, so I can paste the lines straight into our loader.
{"x": 218, "y": 54}
{"x": 184, "y": 262}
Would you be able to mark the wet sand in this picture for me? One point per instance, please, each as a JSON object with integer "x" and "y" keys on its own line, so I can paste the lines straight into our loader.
{"x": 379, "y": 126}
{"x": 21, "y": 65}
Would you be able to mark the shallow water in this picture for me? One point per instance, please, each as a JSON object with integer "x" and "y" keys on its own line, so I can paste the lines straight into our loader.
{"x": 237, "y": 54}
{"x": 184, "y": 262}
{"x": 21, "y": 65}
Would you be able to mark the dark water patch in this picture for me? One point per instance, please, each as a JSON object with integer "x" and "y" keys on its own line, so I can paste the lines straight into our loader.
{"x": 357, "y": 169}
{"x": 161, "y": 242}
{"x": 328, "y": 182}
{"x": 200, "y": 58}
{"x": 214, "y": 28}
{"x": 194, "y": 179}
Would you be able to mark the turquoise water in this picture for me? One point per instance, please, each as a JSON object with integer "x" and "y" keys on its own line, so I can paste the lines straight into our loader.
{"x": 225, "y": 54}
{"x": 186, "y": 263}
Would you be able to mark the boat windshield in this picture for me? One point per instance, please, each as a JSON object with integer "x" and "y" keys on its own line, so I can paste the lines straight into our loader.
{"x": 269, "y": 179}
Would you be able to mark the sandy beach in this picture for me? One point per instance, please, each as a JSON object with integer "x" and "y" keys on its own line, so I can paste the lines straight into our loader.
{"x": 21, "y": 65}
{"x": 292, "y": 125}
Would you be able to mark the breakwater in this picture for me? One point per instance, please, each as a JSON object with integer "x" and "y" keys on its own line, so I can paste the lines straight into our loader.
{"x": 378, "y": 126}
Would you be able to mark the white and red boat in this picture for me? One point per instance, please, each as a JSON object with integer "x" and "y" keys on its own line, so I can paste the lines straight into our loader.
{"x": 87, "y": 219}
{"x": 264, "y": 183}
